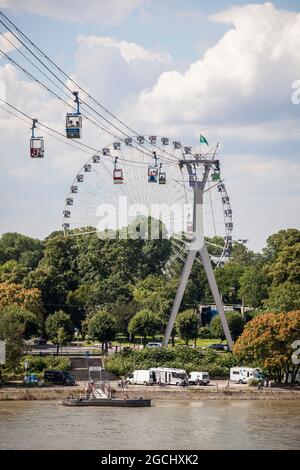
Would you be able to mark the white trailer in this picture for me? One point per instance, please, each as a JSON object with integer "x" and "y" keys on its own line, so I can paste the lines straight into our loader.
{"x": 198, "y": 378}
{"x": 243, "y": 375}
{"x": 164, "y": 375}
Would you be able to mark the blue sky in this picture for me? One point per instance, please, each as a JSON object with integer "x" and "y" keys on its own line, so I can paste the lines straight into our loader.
{"x": 231, "y": 64}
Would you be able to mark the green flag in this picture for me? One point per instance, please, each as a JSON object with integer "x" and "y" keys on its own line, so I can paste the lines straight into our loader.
{"x": 203, "y": 140}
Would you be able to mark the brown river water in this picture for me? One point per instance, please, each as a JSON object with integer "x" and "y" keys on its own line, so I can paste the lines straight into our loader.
{"x": 220, "y": 424}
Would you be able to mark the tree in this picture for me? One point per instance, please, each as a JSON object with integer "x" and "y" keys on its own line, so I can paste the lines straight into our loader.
{"x": 16, "y": 295}
{"x": 155, "y": 293}
{"x": 279, "y": 241}
{"x": 102, "y": 327}
{"x": 267, "y": 342}
{"x": 145, "y": 323}
{"x": 30, "y": 322}
{"x": 13, "y": 272}
{"x": 187, "y": 325}
{"x": 235, "y": 325}
{"x": 11, "y": 331}
{"x": 228, "y": 279}
{"x": 254, "y": 286}
{"x": 283, "y": 298}
{"x": 59, "y": 328}
{"x": 57, "y": 272}
{"x": 286, "y": 267}
{"x": 25, "y": 250}
{"x": 242, "y": 255}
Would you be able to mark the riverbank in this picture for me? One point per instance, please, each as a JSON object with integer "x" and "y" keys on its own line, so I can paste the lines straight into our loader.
{"x": 206, "y": 393}
{"x": 8, "y": 393}
{"x": 213, "y": 392}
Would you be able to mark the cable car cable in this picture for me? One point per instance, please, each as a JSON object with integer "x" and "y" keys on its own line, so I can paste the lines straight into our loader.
{"x": 67, "y": 76}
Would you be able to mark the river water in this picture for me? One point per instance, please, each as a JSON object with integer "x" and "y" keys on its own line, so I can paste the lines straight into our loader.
{"x": 221, "y": 424}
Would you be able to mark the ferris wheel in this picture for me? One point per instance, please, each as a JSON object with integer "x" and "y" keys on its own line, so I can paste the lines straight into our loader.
{"x": 163, "y": 180}
{"x": 124, "y": 182}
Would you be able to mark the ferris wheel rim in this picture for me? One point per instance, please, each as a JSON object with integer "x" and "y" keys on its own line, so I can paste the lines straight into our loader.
{"x": 87, "y": 167}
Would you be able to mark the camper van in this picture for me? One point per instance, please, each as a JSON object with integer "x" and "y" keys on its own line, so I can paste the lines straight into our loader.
{"x": 159, "y": 376}
{"x": 166, "y": 376}
{"x": 243, "y": 375}
{"x": 198, "y": 378}
{"x": 141, "y": 377}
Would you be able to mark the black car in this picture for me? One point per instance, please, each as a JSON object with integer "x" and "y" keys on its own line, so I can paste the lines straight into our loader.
{"x": 59, "y": 377}
{"x": 218, "y": 347}
{"x": 40, "y": 341}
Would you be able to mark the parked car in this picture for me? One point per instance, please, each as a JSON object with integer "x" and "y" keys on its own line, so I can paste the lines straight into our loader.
{"x": 40, "y": 341}
{"x": 198, "y": 378}
{"x": 218, "y": 347}
{"x": 59, "y": 377}
{"x": 31, "y": 379}
{"x": 153, "y": 345}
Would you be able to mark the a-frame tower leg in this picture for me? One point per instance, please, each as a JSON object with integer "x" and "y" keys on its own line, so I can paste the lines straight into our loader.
{"x": 179, "y": 294}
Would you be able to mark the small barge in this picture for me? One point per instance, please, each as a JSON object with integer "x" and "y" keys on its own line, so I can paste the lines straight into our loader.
{"x": 126, "y": 402}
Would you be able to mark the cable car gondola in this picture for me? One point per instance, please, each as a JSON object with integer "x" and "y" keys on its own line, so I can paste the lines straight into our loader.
{"x": 74, "y": 121}
{"x": 37, "y": 149}
{"x": 118, "y": 174}
{"x": 162, "y": 178}
{"x": 153, "y": 170}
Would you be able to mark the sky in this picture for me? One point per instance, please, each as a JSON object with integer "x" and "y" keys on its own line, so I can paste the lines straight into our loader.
{"x": 168, "y": 67}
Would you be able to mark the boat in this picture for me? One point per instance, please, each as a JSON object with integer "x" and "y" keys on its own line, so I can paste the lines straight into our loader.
{"x": 126, "y": 402}
{"x": 99, "y": 394}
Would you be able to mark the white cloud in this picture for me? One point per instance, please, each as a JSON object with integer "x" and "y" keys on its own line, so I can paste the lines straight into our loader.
{"x": 245, "y": 78}
{"x": 238, "y": 93}
{"x": 129, "y": 51}
{"x": 114, "y": 70}
{"x": 104, "y": 11}
{"x": 265, "y": 195}
{"x": 8, "y": 42}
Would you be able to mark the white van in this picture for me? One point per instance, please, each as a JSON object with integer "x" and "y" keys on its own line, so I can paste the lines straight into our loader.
{"x": 141, "y": 377}
{"x": 198, "y": 378}
{"x": 243, "y": 375}
{"x": 164, "y": 375}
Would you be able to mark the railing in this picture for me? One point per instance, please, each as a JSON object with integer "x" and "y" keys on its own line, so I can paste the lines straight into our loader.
{"x": 69, "y": 352}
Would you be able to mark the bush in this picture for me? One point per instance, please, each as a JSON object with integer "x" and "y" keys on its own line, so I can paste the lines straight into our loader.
{"x": 42, "y": 363}
{"x": 181, "y": 357}
{"x": 205, "y": 333}
{"x": 253, "y": 382}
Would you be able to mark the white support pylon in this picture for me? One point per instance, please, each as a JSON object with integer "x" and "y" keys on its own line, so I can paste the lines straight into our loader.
{"x": 198, "y": 245}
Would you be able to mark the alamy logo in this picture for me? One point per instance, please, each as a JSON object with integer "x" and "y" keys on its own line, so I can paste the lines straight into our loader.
{"x": 296, "y": 93}
{"x": 296, "y": 354}
{"x": 129, "y": 221}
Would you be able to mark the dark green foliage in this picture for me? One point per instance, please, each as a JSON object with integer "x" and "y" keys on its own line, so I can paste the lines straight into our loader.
{"x": 102, "y": 327}
{"x": 145, "y": 323}
{"x": 235, "y": 323}
{"x": 183, "y": 357}
{"x": 42, "y": 363}
{"x": 59, "y": 328}
{"x": 187, "y": 324}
